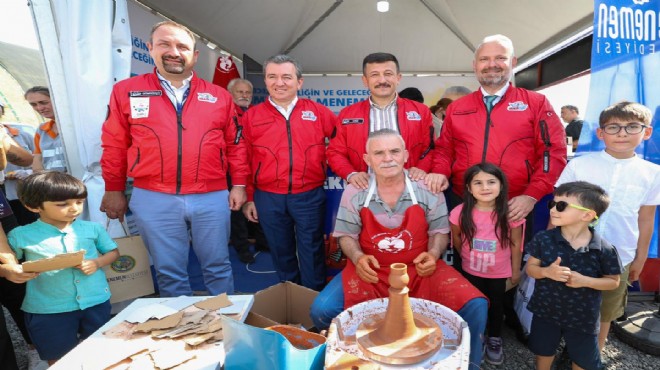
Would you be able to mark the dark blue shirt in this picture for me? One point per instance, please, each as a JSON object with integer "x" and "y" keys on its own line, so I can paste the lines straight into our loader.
{"x": 572, "y": 308}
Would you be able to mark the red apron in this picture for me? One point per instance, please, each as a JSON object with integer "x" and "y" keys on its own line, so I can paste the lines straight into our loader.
{"x": 390, "y": 245}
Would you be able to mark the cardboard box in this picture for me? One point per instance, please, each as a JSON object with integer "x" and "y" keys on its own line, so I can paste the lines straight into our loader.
{"x": 249, "y": 346}
{"x": 285, "y": 303}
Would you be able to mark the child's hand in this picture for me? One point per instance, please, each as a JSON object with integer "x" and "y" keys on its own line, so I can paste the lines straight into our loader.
{"x": 88, "y": 267}
{"x": 557, "y": 272}
{"x": 577, "y": 280}
{"x": 515, "y": 277}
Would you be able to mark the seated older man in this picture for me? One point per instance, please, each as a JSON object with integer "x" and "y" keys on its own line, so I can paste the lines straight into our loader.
{"x": 397, "y": 220}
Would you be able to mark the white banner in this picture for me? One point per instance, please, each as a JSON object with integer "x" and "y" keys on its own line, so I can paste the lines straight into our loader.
{"x": 337, "y": 92}
{"x": 141, "y": 62}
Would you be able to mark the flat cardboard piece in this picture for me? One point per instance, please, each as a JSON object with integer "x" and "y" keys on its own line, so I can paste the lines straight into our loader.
{"x": 215, "y": 303}
{"x": 285, "y": 303}
{"x": 164, "y": 323}
{"x": 170, "y": 357}
{"x": 61, "y": 261}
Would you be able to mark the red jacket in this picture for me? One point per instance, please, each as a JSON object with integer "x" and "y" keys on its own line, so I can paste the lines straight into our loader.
{"x": 348, "y": 146}
{"x": 162, "y": 154}
{"x": 522, "y": 135}
{"x": 287, "y": 156}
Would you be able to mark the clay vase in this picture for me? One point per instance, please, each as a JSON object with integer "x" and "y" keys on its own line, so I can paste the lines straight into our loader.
{"x": 399, "y": 336}
{"x": 399, "y": 322}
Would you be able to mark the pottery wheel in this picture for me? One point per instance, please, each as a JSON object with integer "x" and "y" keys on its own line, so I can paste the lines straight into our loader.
{"x": 417, "y": 348}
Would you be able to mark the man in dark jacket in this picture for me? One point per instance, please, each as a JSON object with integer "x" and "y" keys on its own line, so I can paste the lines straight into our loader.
{"x": 569, "y": 113}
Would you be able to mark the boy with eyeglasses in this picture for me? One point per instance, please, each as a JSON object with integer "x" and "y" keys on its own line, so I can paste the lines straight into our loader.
{"x": 572, "y": 264}
{"x": 633, "y": 185}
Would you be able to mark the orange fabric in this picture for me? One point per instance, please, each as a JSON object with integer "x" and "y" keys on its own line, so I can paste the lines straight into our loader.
{"x": 49, "y": 127}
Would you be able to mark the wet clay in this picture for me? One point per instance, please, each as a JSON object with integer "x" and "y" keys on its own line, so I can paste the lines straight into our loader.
{"x": 399, "y": 336}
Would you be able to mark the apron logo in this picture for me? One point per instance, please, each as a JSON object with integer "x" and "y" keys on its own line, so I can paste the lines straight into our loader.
{"x": 206, "y": 97}
{"x": 393, "y": 244}
{"x": 517, "y": 106}
{"x": 308, "y": 115}
{"x": 413, "y": 116}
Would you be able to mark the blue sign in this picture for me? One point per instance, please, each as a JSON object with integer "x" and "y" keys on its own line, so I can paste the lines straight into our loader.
{"x": 625, "y": 65}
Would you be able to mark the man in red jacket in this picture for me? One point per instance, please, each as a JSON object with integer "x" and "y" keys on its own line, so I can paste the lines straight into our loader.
{"x": 383, "y": 110}
{"x": 285, "y": 137}
{"x": 514, "y": 128}
{"x": 174, "y": 134}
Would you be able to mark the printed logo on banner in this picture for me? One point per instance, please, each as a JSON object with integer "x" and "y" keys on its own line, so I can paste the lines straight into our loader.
{"x": 624, "y": 30}
{"x": 308, "y": 115}
{"x": 517, "y": 106}
{"x": 352, "y": 121}
{"x": 413, "y": 116}
{"x": 206, "y": 97}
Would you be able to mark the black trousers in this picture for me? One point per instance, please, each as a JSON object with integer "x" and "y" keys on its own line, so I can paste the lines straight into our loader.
{"x": 493, "y": 289}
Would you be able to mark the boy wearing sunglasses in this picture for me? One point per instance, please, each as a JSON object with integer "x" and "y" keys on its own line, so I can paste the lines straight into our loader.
{"x": 572, "y": 264}
{"x": 633, "y": 185}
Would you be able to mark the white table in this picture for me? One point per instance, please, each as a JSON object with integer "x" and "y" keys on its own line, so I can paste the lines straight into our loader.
{"x": 87, "y": 353}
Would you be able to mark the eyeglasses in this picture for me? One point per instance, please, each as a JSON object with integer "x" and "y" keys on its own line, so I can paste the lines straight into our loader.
{"x": 631, "y": 129}
{"x": 561, "y": 206}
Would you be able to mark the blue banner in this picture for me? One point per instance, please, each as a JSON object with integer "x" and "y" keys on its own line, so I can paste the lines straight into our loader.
{"x": 625, "y": 65}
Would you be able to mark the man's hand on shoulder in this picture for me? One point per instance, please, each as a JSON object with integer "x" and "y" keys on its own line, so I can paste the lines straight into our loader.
{"x": 436, "y": 182}
{"x": 359, "y": 179}
{"x": 364, "y": 270}
{"x": 520, "y": 206}
{"x": 425, "y": 264}
{"x": 114, "y": 204}
{"x": 416, "y": 174}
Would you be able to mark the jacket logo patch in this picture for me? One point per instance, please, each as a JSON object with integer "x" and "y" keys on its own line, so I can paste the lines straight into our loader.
{"x": 206, "y": 97}
{"x": 140, "y": 94}
{"x": 352, "y": 121}
{"x": 139, "y": 107}
{"x": 308, "y": 115}
{"x": 413, "y": 116}
{"x": 517, "y": 106}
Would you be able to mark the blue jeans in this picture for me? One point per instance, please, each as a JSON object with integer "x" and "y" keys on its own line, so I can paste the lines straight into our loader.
{"x": 293, "y": 225}
{"x": 168, "y": 221}
{"x": 330, "y": 303}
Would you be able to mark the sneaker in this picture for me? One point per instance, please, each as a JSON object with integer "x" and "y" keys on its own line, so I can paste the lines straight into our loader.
{"x": 494, "y": 353}
{"x": 34, "y": 361}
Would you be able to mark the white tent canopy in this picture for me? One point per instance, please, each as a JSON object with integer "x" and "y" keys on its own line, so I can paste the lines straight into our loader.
{"x": 427, "y": 36}
{"x": 86, "y": 45}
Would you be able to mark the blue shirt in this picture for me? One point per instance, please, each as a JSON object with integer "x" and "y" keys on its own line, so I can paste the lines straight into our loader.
{"x": 574, "y": 308}
{"x": 68, "y": 289}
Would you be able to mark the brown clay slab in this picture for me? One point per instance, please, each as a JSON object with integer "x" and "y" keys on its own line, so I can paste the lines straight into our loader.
{"x": 58, "y": 262}
{"x": 164, "y": 323}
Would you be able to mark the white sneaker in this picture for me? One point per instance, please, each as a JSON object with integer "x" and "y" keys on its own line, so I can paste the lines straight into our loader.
{"x": 34, "y": 362}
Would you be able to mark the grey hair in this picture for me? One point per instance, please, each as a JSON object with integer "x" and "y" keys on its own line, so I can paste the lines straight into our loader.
{"x": 458, "y": 90}
{"x": 383, "y": 133}
{"x": 232, "y": 83}
{"x": 281, "y": 59}
{"x": 500, "y": 39}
